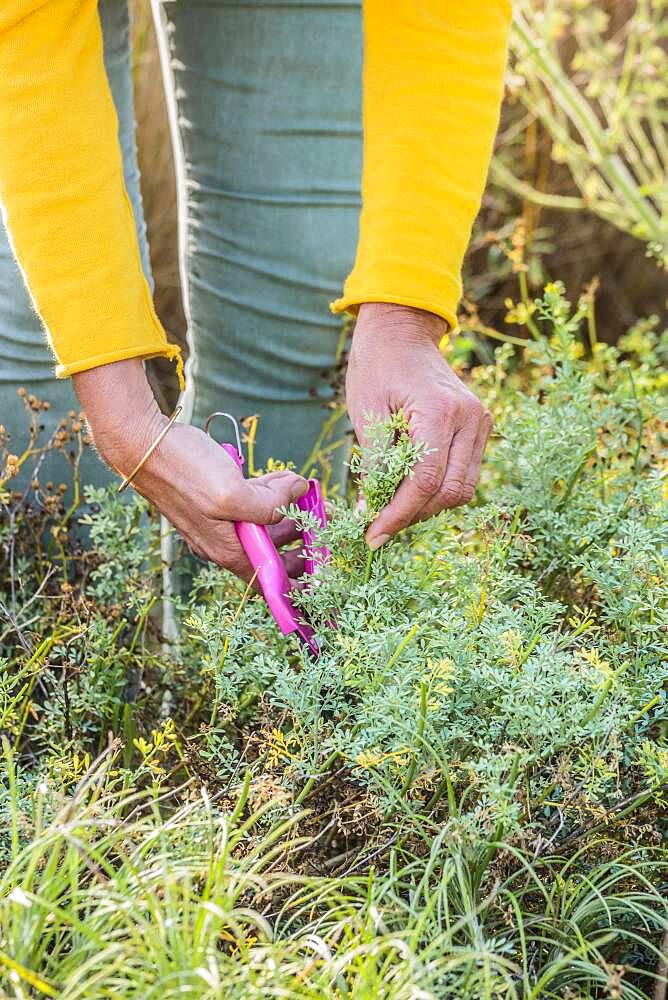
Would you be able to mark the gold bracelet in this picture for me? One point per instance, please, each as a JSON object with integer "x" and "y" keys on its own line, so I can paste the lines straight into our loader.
{"x": 128, "y": 479}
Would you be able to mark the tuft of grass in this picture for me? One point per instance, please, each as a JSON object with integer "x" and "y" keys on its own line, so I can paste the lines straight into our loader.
{"x": 124, "y": 893}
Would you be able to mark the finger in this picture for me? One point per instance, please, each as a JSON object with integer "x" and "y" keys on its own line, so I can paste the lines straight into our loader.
{"x": 229, "y": 554}
{"x": 473, "y": 473}
{"x": 294, "y": 563}
{"x": 241, "y": 567}
{"x": 463, "y": 470}
{"x": 267, "y": 477}
{"x": 221, "y": 546}
{"x": 416, "y": 490}
{"x": 284, "y": 532}
{"x": 258, "y": 500}
{"x": 451, "y": 491}
{"x": 228, "y": 557}
{"x": 238, "y": 563}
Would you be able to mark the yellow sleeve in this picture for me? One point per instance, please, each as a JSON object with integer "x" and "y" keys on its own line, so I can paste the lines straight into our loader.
{"x": 62, "y": 188}
{"x": 433, "y": 82}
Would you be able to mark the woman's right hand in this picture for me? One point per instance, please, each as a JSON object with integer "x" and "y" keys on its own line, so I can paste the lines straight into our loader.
{"x": 189, "y": 477}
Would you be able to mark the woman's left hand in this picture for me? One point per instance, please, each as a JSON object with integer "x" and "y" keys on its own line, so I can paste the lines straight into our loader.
{"x": 395, "y": 363}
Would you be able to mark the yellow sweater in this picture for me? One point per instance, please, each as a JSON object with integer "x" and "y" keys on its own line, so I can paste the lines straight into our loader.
{"x": 433, "y": 78}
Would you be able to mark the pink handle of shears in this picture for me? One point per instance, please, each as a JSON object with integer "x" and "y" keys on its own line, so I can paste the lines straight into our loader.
{"x": 313, "y": 503}
{"x": 271, "y": 574}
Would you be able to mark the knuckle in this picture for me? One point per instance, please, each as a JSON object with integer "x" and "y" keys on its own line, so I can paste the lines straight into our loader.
{"x": 229, "y": 561}
{"x": 452, "y": 498}
{"x": 219, "y": 556}
{"x": 264, "y": 512}
{"x": 474, "y": 409}
{"x": 450, "y": 408}
{"x": 390, "y": 522}
{"x": 427, "y": 479}
{"x": 213, "y": 511}
{"x": 468, "y": 492}
{"x": 223, "y": 551}
{"x": 271, "y": 515}
{"x": 451, "y": 494}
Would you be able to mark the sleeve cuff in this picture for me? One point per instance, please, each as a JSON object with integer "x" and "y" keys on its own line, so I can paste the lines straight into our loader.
{"x": 170, "y": 351}
{"x": 351, "y": 303}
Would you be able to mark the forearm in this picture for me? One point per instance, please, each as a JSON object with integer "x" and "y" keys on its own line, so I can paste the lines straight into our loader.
{"x": 121, "y": 410}
{"x": 433, "y": 81}
{"x": 62, "y": 187}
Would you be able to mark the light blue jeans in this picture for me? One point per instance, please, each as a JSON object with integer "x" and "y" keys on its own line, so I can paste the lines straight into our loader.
{"x": 266, "y": 121}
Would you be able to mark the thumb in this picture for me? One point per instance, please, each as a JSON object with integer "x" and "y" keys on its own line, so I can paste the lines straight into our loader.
{"x": 258, "y": 499}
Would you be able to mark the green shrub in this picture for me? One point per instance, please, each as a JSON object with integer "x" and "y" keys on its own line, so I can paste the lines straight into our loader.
{"x": 512, "y": 655}
{"x": 463, "y": 796}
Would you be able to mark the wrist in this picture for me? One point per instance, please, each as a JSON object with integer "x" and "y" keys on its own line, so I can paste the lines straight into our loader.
{"x": 407, "y": 322}
{"x": 121, "y": 410}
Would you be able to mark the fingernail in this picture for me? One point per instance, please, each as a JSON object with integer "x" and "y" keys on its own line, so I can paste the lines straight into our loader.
{"x": 299, "y": 489}
{"x": 376, "y": 541}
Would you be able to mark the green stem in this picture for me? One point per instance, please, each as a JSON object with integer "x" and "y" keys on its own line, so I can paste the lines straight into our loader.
{"x": 575, "y": 476}
{"x": 11, "y": 780}
{"x": 524, "y": 292}
{"x": 398, "y": 651}
{"x": 591, "y": 327}
{"x": 505, "y": 178}
{"x": 488, "y": 331}
{"x": 312, "y": 780}
{"x": 605, "y": 690}
{"x": 369, "y": 565}
{"x": 141, "y": 621}
{"x": 331, "y": 422}
{"x": 410, "y": 774}
{"x": 643, "y": 711}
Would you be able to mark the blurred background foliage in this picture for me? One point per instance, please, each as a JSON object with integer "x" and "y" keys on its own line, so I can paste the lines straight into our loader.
{"x": 578, "y": 186}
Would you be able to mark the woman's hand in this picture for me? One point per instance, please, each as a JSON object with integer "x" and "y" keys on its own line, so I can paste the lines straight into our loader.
{"x": 189, "y": 477}
{"x": 395, "y": 364}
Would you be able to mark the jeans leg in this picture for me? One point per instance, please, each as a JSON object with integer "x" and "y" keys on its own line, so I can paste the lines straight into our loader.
{"x": 266, "y": 102}
{"x": 24, "y": 357}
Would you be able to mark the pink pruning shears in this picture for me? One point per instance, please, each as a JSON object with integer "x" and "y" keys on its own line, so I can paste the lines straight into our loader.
{"x": 263, "y": 556}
